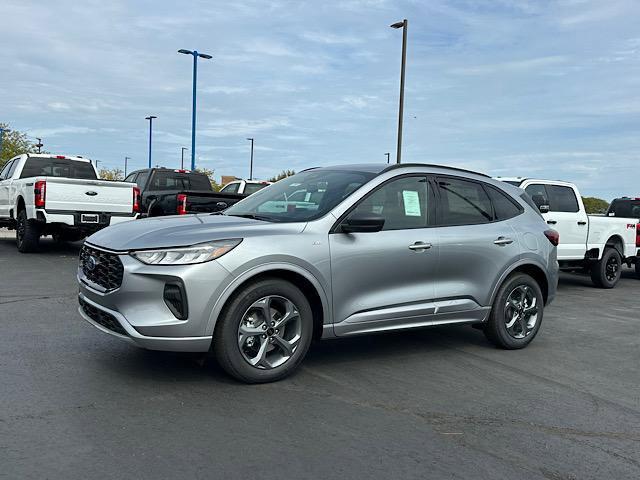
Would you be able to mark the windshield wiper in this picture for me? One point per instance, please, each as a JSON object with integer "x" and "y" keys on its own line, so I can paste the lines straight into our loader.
{"x": 252, "y": 216}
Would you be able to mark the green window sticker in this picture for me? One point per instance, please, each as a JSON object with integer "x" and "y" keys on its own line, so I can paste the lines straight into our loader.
{"x": 411, "y": 203}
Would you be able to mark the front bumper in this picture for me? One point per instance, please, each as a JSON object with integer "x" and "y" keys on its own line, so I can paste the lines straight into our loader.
{"x": 139, "y": 308}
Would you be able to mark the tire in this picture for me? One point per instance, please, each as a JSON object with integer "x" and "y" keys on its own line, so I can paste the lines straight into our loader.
{"x": 606, "y": 272}
{"x": 512, "y": 323}
{"x": 235, "y": 350}
{"x": 638, "y": 267}
{"x": 27, "y": 233}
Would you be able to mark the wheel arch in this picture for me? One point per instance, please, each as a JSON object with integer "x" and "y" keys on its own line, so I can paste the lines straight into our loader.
{"x": 617, "y": 242}
{"x": 305, "y": 281}
{"x": 533, "y": 270}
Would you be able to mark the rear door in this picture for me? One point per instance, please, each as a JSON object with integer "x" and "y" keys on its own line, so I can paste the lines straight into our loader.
{"x": 387, "y": 279}
{"x": 5, "y": 181}
{"x": 566, "y": 216}
{"x": 477, "y": 242}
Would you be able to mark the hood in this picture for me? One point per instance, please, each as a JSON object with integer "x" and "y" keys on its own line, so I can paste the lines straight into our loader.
{"x": 184, "y": 230}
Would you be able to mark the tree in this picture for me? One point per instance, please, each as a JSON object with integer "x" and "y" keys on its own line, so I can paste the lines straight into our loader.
{"x": 14, "y": 143}
{"x": 209, "y": 173}
{"x": 595, "y": 205}
{"x": 113, "y": 174}
{"x": 282, "y": 174}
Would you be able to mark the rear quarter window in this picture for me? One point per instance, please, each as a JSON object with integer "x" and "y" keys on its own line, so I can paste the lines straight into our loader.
{"x": 504, "y": 206}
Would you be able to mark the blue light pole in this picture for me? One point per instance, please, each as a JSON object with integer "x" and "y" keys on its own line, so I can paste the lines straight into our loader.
{"x": 195, "y": 54}
{"x": 150, "y": 118}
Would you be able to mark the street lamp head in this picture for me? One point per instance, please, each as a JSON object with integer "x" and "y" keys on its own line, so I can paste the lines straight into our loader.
{"x": 204, "y": 55}
{"x": 250, "y": 139}
{"x": 398, "y": 24}
{"x": 150, "y": 117}
{"x": 186, "y": 52}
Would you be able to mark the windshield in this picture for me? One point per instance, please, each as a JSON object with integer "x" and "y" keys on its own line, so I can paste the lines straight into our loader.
{"x": 302, "y": 197}
{"x": 58, "y": 167}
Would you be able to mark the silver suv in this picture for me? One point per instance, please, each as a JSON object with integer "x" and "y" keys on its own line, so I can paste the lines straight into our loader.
{"x": 329, "y": 252}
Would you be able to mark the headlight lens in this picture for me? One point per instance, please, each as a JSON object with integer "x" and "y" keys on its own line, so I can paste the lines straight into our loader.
{"x": 200, "y": 253}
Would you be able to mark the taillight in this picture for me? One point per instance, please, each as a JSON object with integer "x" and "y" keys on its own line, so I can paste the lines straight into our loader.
{"x": 638, "y": 235}
{"x": 182, "y": 204}
{"x": 40, "y": 193}
{"x": 553, "y": 237}
{"x": 136, "y": 200}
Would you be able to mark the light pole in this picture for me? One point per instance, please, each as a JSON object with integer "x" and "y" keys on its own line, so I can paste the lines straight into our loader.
{"x": 1, "y": 135}
{"x": 251, "y": 164}
{"x": 39, "y": 144}
{"x": 388, "y": 155}
{"x": 193, "y": 107}
{"x": 150, "y": 118}
{"x": 403, "y": 25}
{"x": 125, "y": 165}
{"x": 182, "y": 159}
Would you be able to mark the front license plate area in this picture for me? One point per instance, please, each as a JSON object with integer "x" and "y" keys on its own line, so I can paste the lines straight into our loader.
{"x": 90, "y": 218}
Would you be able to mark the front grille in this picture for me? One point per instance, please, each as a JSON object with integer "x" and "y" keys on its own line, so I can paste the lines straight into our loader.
{"x": 101, "y": 268}
{"x": 101, "y": 317}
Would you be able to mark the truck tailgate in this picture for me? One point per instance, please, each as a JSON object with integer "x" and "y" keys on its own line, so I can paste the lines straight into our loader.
{"x": 88, "y": 195}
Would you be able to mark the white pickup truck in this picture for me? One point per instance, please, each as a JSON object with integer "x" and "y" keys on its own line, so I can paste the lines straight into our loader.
{"x": 599, "y": 245}
{"x": 42, "y": 194}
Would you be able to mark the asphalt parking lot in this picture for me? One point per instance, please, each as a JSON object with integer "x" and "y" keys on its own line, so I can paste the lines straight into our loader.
{"x": 438, "y": 403}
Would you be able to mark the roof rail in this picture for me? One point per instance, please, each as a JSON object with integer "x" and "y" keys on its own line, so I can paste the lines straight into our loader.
{"x": 400, "y": 165}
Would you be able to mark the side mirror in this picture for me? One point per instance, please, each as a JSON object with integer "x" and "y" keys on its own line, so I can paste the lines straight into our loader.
{"x": 543, "y": 208}
{"x": 362, "y": 222}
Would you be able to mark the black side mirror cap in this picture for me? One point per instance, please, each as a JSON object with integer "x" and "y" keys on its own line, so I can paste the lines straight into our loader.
{"x": 543, "y": 208}
{"x": 362, "y": 223}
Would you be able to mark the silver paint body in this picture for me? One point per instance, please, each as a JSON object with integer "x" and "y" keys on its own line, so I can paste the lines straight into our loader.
{"x": 367, "y": 282}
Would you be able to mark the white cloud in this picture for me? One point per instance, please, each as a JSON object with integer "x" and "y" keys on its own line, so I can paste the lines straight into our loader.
{"x": 512, "y": 66}
{"x": 227, "y": 90}
{"x": 56, "y": 131}
{"x": 331, "y": 38}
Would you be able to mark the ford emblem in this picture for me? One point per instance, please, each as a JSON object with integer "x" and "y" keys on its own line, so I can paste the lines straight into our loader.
{"x": 90, "y": 264}
{"x": 91, "y": 193}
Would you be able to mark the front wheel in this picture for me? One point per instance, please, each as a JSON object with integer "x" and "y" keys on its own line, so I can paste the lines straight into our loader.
{"x": 27, "y": 234}
{"x": 606, "y": 272}
{"x": 516, "y": 313}
{"x": 264, "y": 332}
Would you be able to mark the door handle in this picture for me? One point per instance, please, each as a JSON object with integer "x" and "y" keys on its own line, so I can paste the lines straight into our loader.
{"x": 420, "y": 246}
{"x": 582, "y": 223}
{"x": 551, "y": 222}
{"x": 503, "y": 241}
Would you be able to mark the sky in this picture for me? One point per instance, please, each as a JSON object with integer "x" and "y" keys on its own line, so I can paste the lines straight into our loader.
{"x": 542, "y": 88}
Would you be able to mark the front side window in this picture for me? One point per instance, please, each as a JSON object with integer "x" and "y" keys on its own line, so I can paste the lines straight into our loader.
{"x": 403, "y": 203}
{"x": 131, "y": 178}
{"x": 301, "y": 197}
{"x": 5, "y": 170}
{"x": 251, "y": 188}
{"x": 562, "y": 199}
{"x": 58, "y": 167}
{"x": 538, "y": 194}
{"x": 463, "y": 202}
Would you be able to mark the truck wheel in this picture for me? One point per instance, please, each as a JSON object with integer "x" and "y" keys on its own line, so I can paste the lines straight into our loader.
{"x": 606, "y": 272}
{"x": 638, "y": 267}
{"x": 264, "y": 332}
{"x": 27, "y": 234}
{"x": 516, "y": 313}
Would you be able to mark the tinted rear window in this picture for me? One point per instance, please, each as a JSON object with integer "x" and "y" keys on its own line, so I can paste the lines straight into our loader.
{"x": 179, "y": 181}
{"x": 463, "y": 202}
{"x": 57, "y": 167}
{"x": 625, "y": 208}
{"x": 503, "y": 206}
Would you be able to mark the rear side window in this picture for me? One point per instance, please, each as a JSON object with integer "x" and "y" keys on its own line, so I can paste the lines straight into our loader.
{"x": 503, "y": 206}
{"x": 562, "y": 199}
{"x": 58, "y": 167}
{"x": 250, "y": 188}
{"x": 463, "y": 202}
{"x": 230, "y": 188}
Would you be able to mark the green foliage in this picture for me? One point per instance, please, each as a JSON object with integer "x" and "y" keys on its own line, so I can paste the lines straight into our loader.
{"x": 282, "y": 174}
{"x": 14, "y": 143}
{"x": 114, "y": 174}
{"x": 210, "y": 173}
{"x": 595, "y": 205}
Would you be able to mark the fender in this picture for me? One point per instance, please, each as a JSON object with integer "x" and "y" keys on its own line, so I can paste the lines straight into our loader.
{"x": 265, "y": 268}
{"x": 510, "y": 270}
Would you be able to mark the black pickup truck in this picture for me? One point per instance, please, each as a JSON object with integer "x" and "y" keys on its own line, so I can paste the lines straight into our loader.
{"x": 178, "y": 192}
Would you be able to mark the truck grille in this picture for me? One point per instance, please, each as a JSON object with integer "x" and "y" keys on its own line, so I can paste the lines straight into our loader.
{"x": 101, "y": 317}
{"x": 101, "y": 268}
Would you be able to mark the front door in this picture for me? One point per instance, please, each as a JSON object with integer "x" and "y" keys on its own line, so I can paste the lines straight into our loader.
{"x": 385, "y": 280}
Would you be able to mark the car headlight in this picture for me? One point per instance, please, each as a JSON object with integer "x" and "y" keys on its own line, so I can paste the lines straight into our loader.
{"x": 200, "y": 253}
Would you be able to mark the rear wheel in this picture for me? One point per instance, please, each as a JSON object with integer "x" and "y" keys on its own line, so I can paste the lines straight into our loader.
{"x": 606, "y": 272}
{"x": 27, "y": 233}
{"x": 516, "y": 314}
{"x": 638, "y": 267}
{"x": 264, "y": 332}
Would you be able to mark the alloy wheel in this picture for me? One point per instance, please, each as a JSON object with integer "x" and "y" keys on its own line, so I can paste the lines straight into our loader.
{"x": 612, "y": 268}
{"x": 521, "y": 311}
{"x": 269, "y": 332}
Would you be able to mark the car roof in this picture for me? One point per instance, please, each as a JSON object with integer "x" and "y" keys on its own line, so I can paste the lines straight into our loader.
{"x": 380, "y": 168}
